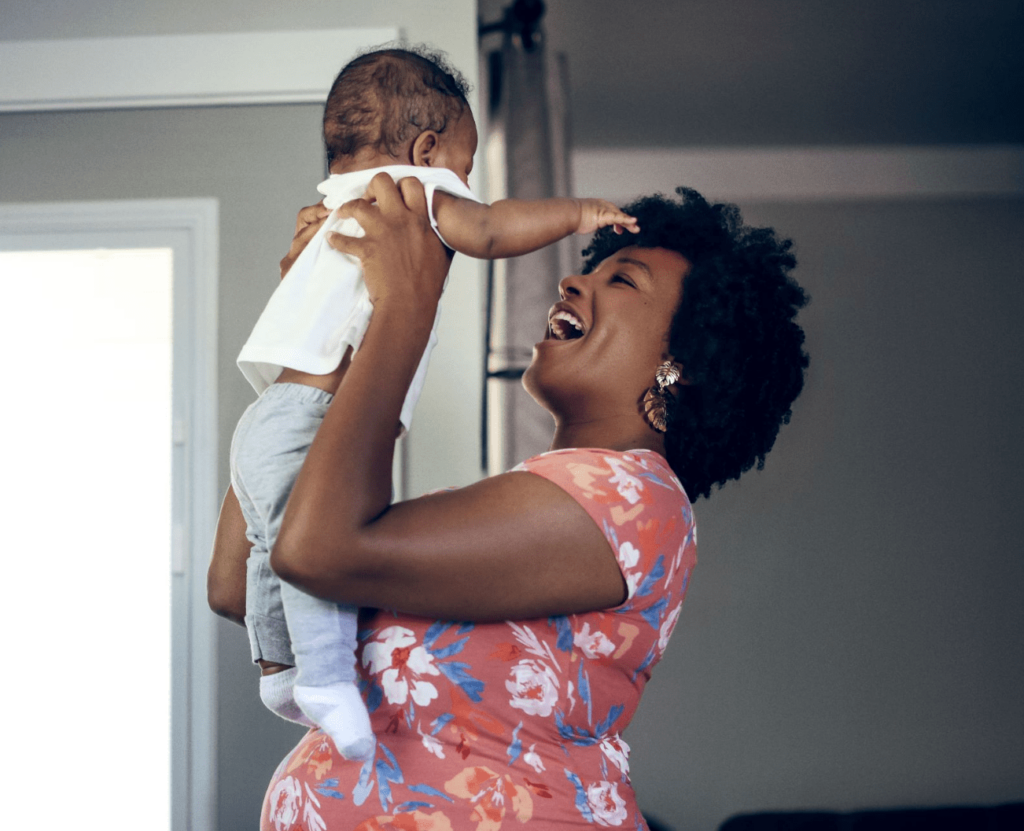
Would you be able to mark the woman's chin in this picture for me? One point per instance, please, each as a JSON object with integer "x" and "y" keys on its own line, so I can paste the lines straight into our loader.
{"x": 544, "y": 386}
{"x": 538, "y": 385}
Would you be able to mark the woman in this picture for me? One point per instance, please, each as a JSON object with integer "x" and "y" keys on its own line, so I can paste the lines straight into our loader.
{"x": 531, "y": 606}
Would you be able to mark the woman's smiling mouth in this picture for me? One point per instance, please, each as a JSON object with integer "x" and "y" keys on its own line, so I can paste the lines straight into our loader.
{"x": 564, "y": 325}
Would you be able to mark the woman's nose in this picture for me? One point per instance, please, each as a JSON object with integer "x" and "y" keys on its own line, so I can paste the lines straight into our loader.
{"x": 571, "y": 286}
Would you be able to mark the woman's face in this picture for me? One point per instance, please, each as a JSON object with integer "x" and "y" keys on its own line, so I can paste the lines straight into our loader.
{"x": 607, "y": 335}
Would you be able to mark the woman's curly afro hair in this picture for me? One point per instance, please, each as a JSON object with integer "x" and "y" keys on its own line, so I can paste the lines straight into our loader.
{"x": 734, "y": 334}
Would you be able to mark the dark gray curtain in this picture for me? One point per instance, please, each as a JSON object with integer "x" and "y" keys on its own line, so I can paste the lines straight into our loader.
{"x": 528, "y": 139}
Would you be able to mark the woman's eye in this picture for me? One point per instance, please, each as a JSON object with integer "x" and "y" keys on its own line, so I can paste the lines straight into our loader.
{"x": 618, "y": 278}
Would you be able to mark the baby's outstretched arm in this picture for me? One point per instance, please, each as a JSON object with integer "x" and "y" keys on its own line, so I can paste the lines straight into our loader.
{"x": 512, "y": 227}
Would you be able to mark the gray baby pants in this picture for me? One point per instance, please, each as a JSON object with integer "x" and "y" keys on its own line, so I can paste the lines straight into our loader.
{"x": 285, "y": 625}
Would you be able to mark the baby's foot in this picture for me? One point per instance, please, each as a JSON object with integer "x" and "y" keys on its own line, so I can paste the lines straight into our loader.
{"x": 340, "y": 711}
{"x": 276, "y": 693}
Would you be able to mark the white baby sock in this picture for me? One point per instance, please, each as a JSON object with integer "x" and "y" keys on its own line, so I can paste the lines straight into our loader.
{"x": 276, "y": 694}
{"x": 340, "y": 711}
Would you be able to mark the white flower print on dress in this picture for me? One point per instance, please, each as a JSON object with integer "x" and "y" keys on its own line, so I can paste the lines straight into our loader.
{"x": 629, "y": 555}
{"x": 532, "y": 758}
{"x": 401, "y": 666}
{"x": 312, "y": 821}
{"x": 430, "y": 743}
{"x": 534, "y": 645}
{"x": 616, "y": 751}
{"x": 593, "y": 644}
{"x": 285, "y": 801}
{"x": 666, "y": 628}
{"x": 534, "y": 688}
{"x": 628, "y": 486}
{"x": 605, "y": 803}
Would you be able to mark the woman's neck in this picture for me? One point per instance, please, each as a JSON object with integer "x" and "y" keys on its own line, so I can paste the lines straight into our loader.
{"x": 615, "y": 432}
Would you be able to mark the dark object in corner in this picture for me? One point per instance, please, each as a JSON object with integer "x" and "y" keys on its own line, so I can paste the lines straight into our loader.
{"x": 1008, "y": 817}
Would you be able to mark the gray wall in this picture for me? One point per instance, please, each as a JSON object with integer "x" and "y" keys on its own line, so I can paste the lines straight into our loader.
{"x": 854, "y": 632}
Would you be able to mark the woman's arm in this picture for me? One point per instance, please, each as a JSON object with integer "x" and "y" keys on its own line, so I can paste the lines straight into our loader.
{"x": 512, "y": 227}
{"x": 225, "y": 579}
{"x": 513, "y": 546}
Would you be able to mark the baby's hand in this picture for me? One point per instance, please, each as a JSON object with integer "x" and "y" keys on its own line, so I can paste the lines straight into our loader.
{"x": 600, "y": 213}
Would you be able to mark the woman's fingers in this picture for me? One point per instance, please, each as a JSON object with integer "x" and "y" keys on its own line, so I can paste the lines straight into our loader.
{"x": 414, "y": 195}
{"x": 363, "y": 210}
{"x": 311, "y": 214}
{"x": 400, "y": 253}
{"x": 308, "y": 223}
{"x": 383, "y": 198}
{"x": 356, "y": 246}
{"x": 382, "y": 195}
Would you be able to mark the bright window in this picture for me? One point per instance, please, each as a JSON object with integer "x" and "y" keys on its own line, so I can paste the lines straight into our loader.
{"x": 87, "y": 343}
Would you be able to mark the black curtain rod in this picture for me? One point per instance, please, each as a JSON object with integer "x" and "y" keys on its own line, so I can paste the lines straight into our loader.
{"x": 522, "y": 18}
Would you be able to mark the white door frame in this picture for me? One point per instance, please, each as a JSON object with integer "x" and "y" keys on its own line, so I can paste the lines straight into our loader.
{"x": 189, "y": 227}
{"x": 191, "y": 70}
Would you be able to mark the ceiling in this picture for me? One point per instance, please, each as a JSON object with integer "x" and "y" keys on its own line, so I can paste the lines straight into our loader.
{"x": 698, "y": 73}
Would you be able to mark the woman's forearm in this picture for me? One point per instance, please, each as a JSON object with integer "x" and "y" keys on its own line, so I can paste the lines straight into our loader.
{"x": 225, "y": 579}
{"x": 345, "y": 482}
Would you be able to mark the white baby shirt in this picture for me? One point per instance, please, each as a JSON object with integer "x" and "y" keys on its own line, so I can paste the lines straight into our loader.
{"x": 322, "y": 307}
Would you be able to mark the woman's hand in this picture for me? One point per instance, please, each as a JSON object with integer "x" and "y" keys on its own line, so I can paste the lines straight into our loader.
{"x": 402, "y": 257}
{"x": 309, "y": 222}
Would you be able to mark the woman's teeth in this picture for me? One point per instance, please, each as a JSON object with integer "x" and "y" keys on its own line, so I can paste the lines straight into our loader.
{"x": 565, "y": 326}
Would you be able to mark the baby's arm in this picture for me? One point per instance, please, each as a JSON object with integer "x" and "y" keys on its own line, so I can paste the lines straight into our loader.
{"x": 512, "y": 227}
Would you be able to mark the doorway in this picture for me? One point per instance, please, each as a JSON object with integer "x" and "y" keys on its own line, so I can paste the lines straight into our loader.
{"x": 108, "y": 325}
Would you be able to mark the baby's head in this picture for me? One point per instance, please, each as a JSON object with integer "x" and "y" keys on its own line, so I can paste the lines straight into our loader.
{"x": 399, "y": 106}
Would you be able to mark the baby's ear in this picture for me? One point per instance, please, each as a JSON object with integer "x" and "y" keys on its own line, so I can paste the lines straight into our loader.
{"x": 424, "y": 148}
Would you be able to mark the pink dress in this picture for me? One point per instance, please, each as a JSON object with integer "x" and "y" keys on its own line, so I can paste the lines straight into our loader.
{"x": 486, "y": 726}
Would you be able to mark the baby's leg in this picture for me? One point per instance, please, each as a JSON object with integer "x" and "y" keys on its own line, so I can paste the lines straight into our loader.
{"x": 267, "y": 451}
{"x": 264, "y": 613}
{"x": 323, "y": 637}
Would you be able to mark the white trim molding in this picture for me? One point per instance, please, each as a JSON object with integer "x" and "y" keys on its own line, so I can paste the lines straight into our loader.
{"x": 178, "y": 70}
{"x": 803, "y": 173}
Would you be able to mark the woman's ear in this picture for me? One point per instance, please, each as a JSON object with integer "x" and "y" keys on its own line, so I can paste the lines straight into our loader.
{"x": 424, "y": 148}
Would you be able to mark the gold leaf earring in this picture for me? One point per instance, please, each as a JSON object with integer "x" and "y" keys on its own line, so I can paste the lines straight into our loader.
{"x": 656, "y": 399}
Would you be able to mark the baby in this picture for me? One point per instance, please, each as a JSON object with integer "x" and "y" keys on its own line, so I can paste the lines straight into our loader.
{"x": 403, "y": 112}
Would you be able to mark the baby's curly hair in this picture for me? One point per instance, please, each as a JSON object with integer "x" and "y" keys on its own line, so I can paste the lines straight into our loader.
{"x": 734, "y": 333}
{"x": 386, "y": 96}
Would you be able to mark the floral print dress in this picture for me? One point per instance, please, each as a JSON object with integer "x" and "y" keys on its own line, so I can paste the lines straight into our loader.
{"x": 487, "y": 726}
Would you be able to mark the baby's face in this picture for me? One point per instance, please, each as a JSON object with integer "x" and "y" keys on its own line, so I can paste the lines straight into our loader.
{"x": 458, "y": 146}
